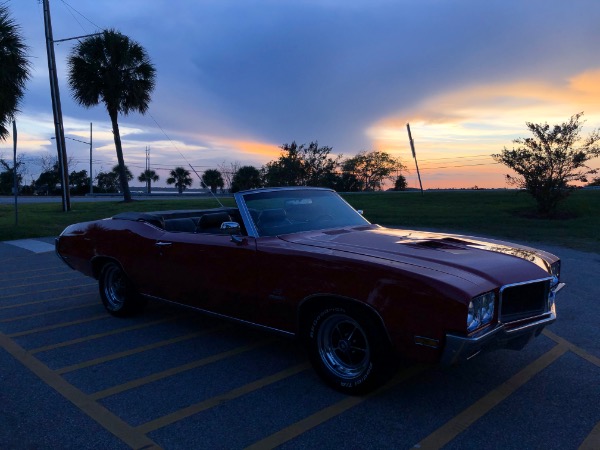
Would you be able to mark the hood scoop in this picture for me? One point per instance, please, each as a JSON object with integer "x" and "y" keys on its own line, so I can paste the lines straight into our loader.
{"x": 443, "y": 244}
{"x": 336, "y": 232}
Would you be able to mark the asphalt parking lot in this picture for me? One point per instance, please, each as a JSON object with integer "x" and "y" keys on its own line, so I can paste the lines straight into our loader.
{"x": 71, "y": 376}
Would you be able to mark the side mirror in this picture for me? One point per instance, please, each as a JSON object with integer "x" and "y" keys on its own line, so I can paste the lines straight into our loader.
{"x": 231, "y": 227}
{"x": 234, "y": 230}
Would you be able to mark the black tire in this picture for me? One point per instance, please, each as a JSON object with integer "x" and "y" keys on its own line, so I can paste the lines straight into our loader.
{"x": 117, "y": 293}
{"x": 349, "y": 349}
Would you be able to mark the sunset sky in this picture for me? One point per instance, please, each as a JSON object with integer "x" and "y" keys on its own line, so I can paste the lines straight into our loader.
{"x": 236, "y": 79}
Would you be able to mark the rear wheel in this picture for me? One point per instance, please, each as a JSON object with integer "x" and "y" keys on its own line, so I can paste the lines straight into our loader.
{"x": 349, "y": 349}
{"x": 117, "y": 293}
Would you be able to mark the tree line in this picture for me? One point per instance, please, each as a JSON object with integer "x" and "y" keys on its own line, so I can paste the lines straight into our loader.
{"x": 297, "y": 165}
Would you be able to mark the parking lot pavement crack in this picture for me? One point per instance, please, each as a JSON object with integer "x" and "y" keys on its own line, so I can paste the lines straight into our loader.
{"x": 128, "y": 434}
{"x": 466, "y": 418}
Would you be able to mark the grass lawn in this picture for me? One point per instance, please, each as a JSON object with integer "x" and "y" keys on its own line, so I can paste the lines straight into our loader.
{"x": 498, "y": 213}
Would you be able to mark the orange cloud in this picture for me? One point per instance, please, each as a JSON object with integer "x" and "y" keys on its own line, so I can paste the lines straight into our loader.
{"x": 261, "y": 149}
{"x": 480, "y": 120}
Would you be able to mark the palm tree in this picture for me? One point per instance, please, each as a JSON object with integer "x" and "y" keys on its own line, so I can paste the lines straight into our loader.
{"x": 115, "y": 70}
{"x": 213, "y": 179}
{"x": 14, "y": 70}
{"x": 180, "y": 178}
{"x": 117, "y": 170}
{"x": 148, "y": 176}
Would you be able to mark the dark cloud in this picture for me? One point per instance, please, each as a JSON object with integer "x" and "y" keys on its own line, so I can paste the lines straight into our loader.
{"x": 278, "y": 71}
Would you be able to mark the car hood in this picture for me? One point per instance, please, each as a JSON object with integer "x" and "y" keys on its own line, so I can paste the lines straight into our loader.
{"x": 480, "y": 261}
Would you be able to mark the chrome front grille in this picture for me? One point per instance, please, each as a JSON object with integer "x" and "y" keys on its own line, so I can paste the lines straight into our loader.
{"x": 523, "y": 300}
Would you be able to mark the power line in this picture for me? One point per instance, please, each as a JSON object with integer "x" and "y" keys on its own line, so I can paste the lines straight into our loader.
{"x": 72, "y": 9}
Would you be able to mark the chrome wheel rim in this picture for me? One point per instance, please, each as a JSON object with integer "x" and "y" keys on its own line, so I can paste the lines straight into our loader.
{"x": 115, "y": 287}
{"x": 343, "y": 346}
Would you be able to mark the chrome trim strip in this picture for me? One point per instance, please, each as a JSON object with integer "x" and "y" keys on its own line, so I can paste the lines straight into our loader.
{"x": 461, "y": 348}
{"x": 223, "y": 316}
{"x": 523, "y": 283}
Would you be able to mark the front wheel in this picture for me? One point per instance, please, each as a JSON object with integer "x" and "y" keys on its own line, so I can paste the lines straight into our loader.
{"x": 118, "y": 295}
{"x": 349, "y": 350}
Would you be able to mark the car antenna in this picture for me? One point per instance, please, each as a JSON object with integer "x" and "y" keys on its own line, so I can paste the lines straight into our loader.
{"x": 186, "y": 160}
{"x": 202, "y": 183}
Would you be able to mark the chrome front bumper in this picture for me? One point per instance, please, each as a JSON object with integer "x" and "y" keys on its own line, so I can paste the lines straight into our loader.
{"x": 515, "y": 336}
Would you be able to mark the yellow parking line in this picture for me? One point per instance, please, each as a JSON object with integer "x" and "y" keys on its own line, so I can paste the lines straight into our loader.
{"x": 465, "y": 419}
{"x": 220, "y": 399}
{"x": 572, "y": 347}
{"x": 286, "y": 434}
{"x": 592, "y": 442}
{"x": 133, "y": 351}
{"x": 115, "y": 425}
{"x": 58, "y": 325}
{"x": 175, "y": 370}
{"x": 42, "y": 291}
{"x": 10, "y": 277}
{"x": 37, "y": 302}
{"x": 37, "y": 284}
{"x": 45, "y": 313}
{"x": 100, "y": 335}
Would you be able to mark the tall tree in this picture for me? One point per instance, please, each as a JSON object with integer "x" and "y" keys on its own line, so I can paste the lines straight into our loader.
{"x": 181, "y": 178}
{"x": 49, "y": 177}
{"x": 148, "y": 176}
{"x": 79, "y": 182}
{"x": 547, "y": 163}
{"x": 371, "y": 169}
{"x": 115, "y": 70}
{"x": 302, "y": 165}
{"x": 246, "y": 177}
{"x": 107, "y": 182}
{"x": 213, "y": 179}
{"x": 7, "y": 176}
{"x": 14, "y": 70}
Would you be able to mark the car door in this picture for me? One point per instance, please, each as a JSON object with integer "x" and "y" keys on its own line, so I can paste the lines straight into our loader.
{"x": 208, "y": 271}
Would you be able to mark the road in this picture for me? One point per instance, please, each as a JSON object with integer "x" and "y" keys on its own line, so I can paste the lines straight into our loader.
{"x": 71, "y": 376}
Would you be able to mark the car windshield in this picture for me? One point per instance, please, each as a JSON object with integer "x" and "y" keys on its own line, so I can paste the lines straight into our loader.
{"x": 294, "y": 210}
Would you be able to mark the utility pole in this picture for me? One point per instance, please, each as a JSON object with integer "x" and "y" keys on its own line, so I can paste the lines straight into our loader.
{"x": 412, "y": 147}
{"x": 61, "y": 147}
{"x": 16, "y": 180}
{"x": 91, "y": 178}
{"x": 148, "y": 181}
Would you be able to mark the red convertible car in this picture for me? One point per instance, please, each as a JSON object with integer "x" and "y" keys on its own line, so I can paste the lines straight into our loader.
{"x": 302, "y": 262}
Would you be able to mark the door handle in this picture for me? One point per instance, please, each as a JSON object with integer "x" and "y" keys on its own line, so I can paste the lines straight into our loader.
{"x": 163, "y": 244}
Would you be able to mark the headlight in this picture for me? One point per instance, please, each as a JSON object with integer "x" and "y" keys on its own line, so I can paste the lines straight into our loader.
{"x": 481, "y": 311}
{"x": 555, "y": 272}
